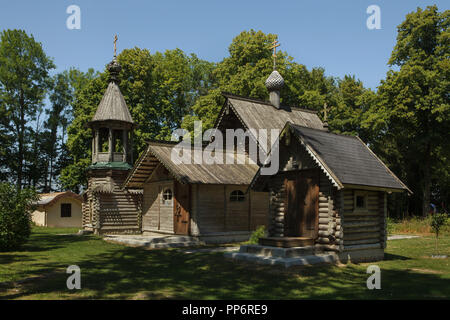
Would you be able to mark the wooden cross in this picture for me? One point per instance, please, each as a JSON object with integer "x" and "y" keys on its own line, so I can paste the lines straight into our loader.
{"x": 274, "y": 46}
{"x": 115, "y": 48}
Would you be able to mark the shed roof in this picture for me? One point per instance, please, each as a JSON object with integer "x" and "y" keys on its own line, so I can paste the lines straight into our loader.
{"x": 160, "y": 152}
{"x": 112, "y": 106}
{"x": 46, "y": 199}
{"x": 257, "y": 114}
{"x": 346, "y": 159}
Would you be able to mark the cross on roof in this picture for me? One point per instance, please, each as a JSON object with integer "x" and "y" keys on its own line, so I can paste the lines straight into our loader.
{"x": 274, "y": 46}
{"x": 115, "y": 48}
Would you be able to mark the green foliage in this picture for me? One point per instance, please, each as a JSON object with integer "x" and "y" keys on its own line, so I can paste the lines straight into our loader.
{"x": 24, "y": 82}
{"x": 438, "y": 220}
{"x": 412, "y": 116}
{"x": 390, "y": 225}
{"x": 260, "y": 232}
{"x": 15, "y": 207}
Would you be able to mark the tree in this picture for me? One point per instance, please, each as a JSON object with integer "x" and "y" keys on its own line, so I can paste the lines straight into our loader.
{"x": 353, "y": 105}
{"x": 438, "y": 220}
{"x": 15, "y": 210}
{"x": 24, "y": 81}
{"x": 413, "y": 113}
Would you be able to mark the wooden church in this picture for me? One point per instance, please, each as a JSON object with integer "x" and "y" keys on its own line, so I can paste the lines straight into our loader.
{"x": 328, "y": 193}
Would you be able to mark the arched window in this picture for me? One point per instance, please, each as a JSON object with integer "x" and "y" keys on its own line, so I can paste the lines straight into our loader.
{"x": 237, "y": 195}
{"x": 167, "y": 196}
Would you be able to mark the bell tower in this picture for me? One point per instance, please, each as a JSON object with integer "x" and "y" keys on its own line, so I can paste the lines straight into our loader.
{"x": 112, "y": 126}
{"x": 107, "y": 206}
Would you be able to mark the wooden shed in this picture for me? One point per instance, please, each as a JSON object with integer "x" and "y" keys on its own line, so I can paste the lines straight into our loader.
{"x": 330, "y": 192}
{"x": 205, "y": 200}
{"x": 58, "y": 209}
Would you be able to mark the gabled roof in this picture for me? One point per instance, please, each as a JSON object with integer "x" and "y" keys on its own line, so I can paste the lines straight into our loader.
{"x": 160, "y": 152}
{"x": 112, "y": 106}
{"x": 46, "y": 199}
{"x": 257, "y": 114}
{"x": 346, "y": 160}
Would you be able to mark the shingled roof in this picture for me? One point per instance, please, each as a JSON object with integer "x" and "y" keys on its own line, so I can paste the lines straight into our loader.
{"x": 258, "y": 114}
{"x": 112, "y": 106}
{"x": 159, "y": 152}
{"x": 345, "y": 159}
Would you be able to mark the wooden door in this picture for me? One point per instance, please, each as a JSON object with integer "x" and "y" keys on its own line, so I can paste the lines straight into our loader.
{"x": 302, "y": 203}
{"x": 181, "y": 208}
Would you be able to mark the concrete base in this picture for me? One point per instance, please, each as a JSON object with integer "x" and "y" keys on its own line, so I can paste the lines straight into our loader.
{"x": 154, "y": 242}
{"x": 286, "y": 242}
{"x": 368, "y": 255}
{"x": 208, "y": 238}
{"x": 225, "y": 237}
{"x": 287, "y": 257}
{"x": 307, "y": 255}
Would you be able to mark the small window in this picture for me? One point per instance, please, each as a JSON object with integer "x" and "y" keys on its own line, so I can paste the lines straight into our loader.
{"x": 66, "y": 210}
{"x": 167, "y": 196}
{"x": 237, "y": 195}
{"x": 360, "y": 202}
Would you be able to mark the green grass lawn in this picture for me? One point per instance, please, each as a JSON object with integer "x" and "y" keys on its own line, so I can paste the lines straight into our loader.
{"x": 113, "y": 271}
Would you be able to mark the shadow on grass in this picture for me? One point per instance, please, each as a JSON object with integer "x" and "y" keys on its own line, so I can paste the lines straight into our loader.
{"x": 125, "y": 272}
{"x": 46, "y": 242}
{"x": 390, "y": 256}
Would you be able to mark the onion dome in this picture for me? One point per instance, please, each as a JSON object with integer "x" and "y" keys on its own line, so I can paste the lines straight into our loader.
{"x": 275, "y": 81}
{"x": 114, "y": 69}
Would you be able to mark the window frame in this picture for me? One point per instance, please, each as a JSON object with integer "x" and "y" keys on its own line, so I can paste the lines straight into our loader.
{"x": 237, "y": 196}
{"x": 357, "y": 194}
{"x": 62, "y": 212}
{"x": 166, "y": 202}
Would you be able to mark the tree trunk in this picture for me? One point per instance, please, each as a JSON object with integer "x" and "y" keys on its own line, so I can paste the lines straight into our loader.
{"x": 426, "y": 189}
{"x": 21, "y": 129}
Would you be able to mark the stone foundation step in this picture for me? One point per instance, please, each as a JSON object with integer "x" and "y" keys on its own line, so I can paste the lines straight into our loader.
{"x": 268, "y": 251}
{"x": 285, "y": 262}
{"x": 286, "y": 242}
{"x": 155, "y": 242}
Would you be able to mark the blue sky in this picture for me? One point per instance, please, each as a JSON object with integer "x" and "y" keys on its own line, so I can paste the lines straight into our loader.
{"x": 320, "y": 33}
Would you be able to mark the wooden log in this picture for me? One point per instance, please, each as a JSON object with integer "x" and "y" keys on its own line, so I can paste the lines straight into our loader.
{"x": 324, "y": 220}
{"x": 361, "y": 247}
{"x": 323, "y": 240}
{"x": 323, "y": 233}
{"x": 361, "y": 229}
{"x": 364, "y": 241}
{"x": 358, "y": 224}
{"x": 361, "y": 236}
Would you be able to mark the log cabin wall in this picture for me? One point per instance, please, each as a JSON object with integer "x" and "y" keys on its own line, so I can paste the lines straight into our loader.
{"x": 364, "y": 228}
{"x": 330, "y": 235}
{"x": 108, "y": 208}
{"x": 293, "y": 157}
